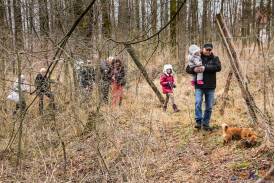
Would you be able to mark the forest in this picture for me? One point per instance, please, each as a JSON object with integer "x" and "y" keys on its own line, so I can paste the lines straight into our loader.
{"x": 105, "y": 90}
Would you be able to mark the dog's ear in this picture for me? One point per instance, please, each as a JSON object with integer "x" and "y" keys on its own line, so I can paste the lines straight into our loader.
{"x": 224, "y": 126}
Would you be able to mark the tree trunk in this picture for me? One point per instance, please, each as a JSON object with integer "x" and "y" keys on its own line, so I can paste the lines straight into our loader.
{"x": 24, "y": 20}
{"x": 124, "y": 21}
{"x": 132, "y": 53}
{"x": 173, "y": 28}
{"x": 16, "y": 28}
{"x": 181, "y": 38}
{"x": 154, "y": 14}
{"x": 90, "y": 29}
{"x": 193, "y": 20}
{"x": 222, "y": 7}
{"x": 43, "y": 17}
{"x": 246, "y": 13}
{"x": 112, "y": 14}
{"x": 3, "y": 82}
{"x": 36, "y": 17}
{"x": 143, "y": 13}
{"x": 106, "y": 24}
{"x": 17, "y": 24}
{"x": 253, "y": 20}
{"x": 2, "y": 13}
{"x": 123, "y": 24}
{"x": 204, "y": 22}
{"x": 50, "y": 15}
{"x": 137, "y": 17}
{"x": 20, "y": 130}
{"x": 7, "y": 13}
{"x": 270, "y": 16}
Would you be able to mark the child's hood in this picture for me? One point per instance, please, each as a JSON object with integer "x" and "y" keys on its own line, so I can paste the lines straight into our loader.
{"x": 193, "y": 49}
{"x": 167, "y": 66}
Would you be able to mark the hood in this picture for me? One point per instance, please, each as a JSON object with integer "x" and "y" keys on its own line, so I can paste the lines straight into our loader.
{"x": 193, "y": 49}
{"x": 167, "y": 66}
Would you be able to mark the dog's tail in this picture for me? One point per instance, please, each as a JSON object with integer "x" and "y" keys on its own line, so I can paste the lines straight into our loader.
{"x": 224, "y": 127}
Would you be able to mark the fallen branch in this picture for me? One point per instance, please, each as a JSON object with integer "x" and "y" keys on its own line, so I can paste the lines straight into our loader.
{"x": 132, "y": 53}
{"x": 253, "y": 110}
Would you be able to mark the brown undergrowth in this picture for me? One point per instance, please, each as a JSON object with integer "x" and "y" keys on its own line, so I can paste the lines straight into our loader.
{"x": 136, "y": 142}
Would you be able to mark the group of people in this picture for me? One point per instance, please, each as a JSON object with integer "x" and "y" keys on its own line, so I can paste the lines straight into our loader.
{"x": 112, "y": 74}
{"x": 203, "y": 66}
{"x": 42, "y": 88}
{"x": 86, "y": 78}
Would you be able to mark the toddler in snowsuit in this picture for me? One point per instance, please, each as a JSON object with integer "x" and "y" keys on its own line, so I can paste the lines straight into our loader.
{"x": 194, "y": 60}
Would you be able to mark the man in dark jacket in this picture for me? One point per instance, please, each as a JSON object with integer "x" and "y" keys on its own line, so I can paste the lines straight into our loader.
{"x": 42, "y": 84}
{"x": 105, "y": 78}
{"x": 87, "y": 77}
{"x": 210, "y": 65}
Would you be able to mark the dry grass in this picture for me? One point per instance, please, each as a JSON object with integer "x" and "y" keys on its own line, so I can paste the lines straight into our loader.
{"x": 138, "y": 142}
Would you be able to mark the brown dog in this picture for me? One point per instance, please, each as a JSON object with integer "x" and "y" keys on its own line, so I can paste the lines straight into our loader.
{"x": 246, "y": 134}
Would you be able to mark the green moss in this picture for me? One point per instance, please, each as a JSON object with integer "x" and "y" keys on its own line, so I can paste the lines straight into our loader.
{"x": 240, "y": 165}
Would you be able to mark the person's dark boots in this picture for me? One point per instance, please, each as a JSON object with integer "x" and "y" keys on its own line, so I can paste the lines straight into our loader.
{"x": 207, "y": 128}
{"x": 164, "y": 108}
{"x": 198, "y": 126}
{"x": 120, "y": 102}
{"x": 175, "y": 108}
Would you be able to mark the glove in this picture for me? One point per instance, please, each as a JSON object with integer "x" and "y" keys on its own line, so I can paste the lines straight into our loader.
{"x": 174, "y": 86}
{"x": 170, "y": 84}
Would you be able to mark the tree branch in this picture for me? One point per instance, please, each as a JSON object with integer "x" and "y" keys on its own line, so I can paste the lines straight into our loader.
{"x": 154, "y": 35}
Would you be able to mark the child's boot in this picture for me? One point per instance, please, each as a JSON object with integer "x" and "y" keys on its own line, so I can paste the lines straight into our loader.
{"x": 175, "y": 108}
{"x": 164, "y": 108}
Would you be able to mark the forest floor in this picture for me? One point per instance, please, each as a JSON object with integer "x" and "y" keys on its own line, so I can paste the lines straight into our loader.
{"x": 136, "y": 142}
{"x": 166, "y": 147}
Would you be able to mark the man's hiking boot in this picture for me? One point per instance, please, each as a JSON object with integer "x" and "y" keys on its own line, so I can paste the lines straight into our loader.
{"x": 175, "y": 108}
{"x": 198, "y": 126}
{"x": 164, "y": 108}
{"x": 207, "y": 128}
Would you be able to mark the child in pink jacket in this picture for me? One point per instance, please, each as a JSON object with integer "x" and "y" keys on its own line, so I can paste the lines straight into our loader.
{"x": 168, "y": 84}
